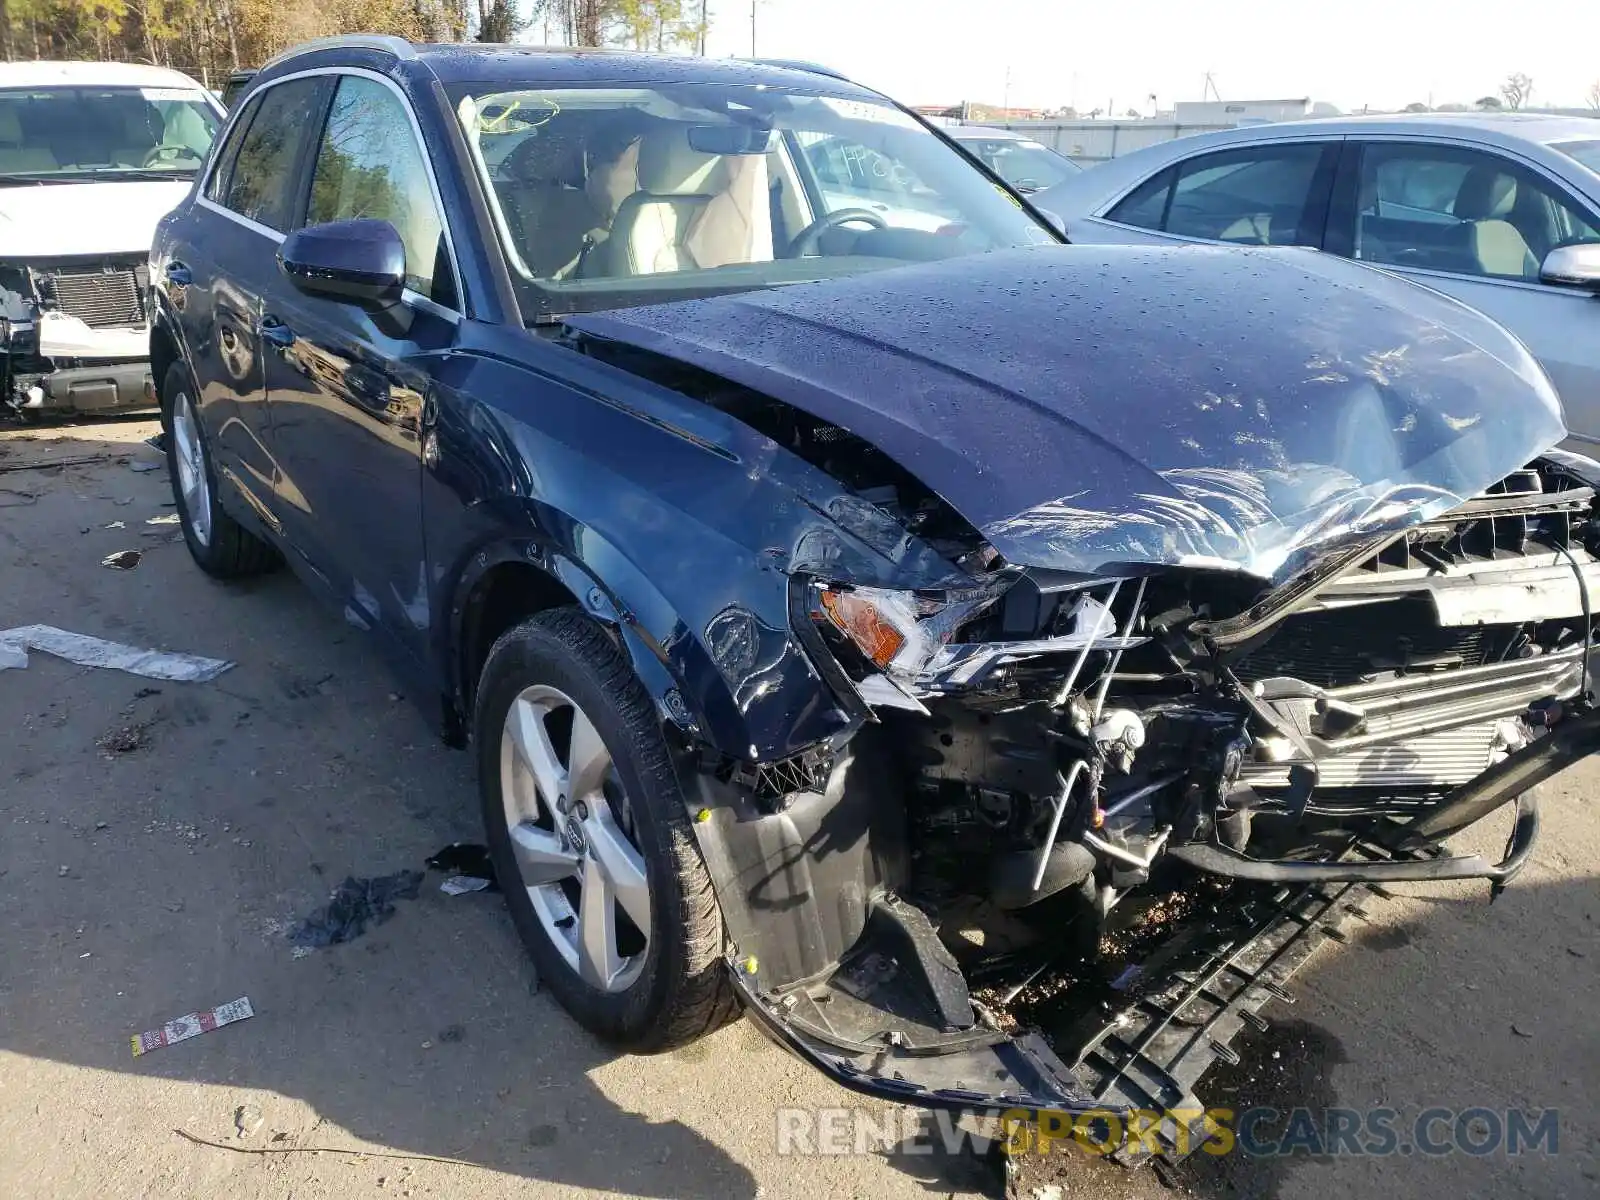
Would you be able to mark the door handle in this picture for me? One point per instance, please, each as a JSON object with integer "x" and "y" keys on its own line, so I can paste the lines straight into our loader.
{"x": 178, "y": 275}
{"x": 276, "y": 332}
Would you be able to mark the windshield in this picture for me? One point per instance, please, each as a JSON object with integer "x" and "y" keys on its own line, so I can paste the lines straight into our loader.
{"x": 1587, "y": 153}
{"x": 614, "y": 197}
{"x": 1026, "y": 166}
{"x": 65, "y": 134}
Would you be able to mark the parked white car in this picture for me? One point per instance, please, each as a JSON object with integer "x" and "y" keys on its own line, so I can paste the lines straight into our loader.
{"x": 92, "y": 155}
{"x": 1501, "y": 211}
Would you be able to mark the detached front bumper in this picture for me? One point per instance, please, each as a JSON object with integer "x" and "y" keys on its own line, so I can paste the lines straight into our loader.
{"x": 57, "y": 363}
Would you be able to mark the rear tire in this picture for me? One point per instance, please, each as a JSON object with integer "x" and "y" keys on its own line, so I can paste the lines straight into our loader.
{"x": 661, "y": 987}
{"x": 221, "y": 546}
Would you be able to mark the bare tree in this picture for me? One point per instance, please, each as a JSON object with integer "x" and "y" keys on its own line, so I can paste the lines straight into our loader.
{"x": 1593, "y": 95}
{"x": 1517, "y": 90}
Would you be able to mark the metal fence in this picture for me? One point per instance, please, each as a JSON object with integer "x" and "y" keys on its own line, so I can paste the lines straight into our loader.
{"x": 1097, "y": 141}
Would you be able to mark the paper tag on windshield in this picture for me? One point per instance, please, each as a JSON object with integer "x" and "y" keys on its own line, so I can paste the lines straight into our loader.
{"x": 160, "y": 95}
{"x": 860, "y": 110}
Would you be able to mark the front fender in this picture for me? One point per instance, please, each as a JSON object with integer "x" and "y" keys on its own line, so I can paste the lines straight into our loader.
{"x": 672, "y": 521}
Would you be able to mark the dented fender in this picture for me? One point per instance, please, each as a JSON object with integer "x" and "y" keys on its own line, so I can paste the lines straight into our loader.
{"x": 672, "y": 521}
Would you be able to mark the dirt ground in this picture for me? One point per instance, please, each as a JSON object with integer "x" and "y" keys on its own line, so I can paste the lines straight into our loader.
{"x": 156, "y": 839}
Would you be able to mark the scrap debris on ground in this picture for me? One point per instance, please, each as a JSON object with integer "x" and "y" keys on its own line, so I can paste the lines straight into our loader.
{"x": 87, "y": 651}
{"x": 192, "y": 1025}
{"x": 353, "y": 904}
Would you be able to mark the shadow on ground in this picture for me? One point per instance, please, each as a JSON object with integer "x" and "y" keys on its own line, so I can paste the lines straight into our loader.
{"x": 157, "y": 838}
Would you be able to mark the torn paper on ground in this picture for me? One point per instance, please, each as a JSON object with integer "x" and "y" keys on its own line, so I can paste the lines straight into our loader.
{"x": 89, "y": 651}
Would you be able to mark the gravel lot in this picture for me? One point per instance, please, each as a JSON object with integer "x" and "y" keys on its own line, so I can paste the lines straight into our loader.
{"x": 157, "y": 838}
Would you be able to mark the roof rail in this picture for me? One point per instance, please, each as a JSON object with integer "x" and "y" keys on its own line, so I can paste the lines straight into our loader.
{"x": 396, "y": 46}
{"x": 796, "y": 64}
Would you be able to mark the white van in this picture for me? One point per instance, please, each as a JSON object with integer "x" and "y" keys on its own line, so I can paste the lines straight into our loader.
{"x": 92, "y": 155}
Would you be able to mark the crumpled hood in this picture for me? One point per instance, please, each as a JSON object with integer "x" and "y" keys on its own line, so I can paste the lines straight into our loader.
{"x": 1094, "y": 407}
{"x": 55, "y": 220}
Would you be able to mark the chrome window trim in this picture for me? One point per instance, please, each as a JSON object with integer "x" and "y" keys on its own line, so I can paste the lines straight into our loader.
{"x": 240, "y": 219}
{"x": 417, "y": 139}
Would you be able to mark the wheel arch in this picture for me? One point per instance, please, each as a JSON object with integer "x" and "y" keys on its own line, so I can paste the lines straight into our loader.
{"x": 509, "y": 582}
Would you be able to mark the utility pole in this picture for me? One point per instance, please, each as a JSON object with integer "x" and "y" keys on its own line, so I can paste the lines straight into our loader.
{"x": 752, "y": 28}
{"x": 1005, "y": 97}
{"x": 702, "y": 28}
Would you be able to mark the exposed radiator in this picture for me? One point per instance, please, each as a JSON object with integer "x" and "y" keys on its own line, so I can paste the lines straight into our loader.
{"x": 1432, "y": 760}
{"x": 100, "y": 297}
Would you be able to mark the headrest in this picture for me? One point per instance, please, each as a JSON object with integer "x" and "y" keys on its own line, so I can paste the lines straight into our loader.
{"x": 547, "y": 158}
{"x": 1485, "y": 194}
{"x": 669, "y": 166}
{"x": 610, "y": 183}
{"x": 10, "y": 125}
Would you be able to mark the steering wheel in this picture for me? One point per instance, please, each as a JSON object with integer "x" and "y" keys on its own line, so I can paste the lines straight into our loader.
{"x": 168, "y": 155}
{"x": 805, "y": 242}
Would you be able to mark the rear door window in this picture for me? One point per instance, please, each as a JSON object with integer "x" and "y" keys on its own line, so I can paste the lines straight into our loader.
{"x": 261, "y": 184}
{"x": 1259, "y": 196}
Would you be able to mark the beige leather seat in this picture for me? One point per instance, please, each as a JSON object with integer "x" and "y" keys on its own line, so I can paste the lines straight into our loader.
{"x": 14, "y": 156}
{"x": 550, "y": 214}
{"x": 691, "y": 210}
{"x": 1252, "y": 230}
{"x": 1485, "y": 199}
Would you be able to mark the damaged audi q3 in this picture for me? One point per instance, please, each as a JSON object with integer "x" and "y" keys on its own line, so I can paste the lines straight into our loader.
{"x": 990, "y": 663}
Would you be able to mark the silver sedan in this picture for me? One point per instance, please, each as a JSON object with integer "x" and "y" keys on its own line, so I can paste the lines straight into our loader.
{"x": 1501, "y": 211}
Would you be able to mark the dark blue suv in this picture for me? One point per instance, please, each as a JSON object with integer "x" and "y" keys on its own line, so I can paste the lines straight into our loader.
{"x": 846, "y": 589}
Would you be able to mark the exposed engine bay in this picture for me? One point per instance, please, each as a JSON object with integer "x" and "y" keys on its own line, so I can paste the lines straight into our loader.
{"x": 1054, "y": 757}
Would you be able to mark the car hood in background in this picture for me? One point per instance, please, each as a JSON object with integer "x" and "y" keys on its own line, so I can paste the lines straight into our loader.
{"x": 56, "y": 220}
{"x": 1095, "y": 407}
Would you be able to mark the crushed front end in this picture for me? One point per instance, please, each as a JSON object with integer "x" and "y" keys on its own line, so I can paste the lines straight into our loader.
{"x": 1094, "y": 822}
{"x": 75, "y": 334}
{"x": 1241, "y": 610}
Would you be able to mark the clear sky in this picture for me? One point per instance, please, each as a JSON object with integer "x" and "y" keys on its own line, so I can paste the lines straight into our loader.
{"x": 1385, "y": 53}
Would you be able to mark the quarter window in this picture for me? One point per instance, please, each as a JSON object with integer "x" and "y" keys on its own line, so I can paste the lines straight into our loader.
{"x": 260, "y": 184}
{"x": 1447, "y": 208}
{"x": 217, "y": 184}
{"x": 1258, "y": 197}
{"x": 369, "y": 164}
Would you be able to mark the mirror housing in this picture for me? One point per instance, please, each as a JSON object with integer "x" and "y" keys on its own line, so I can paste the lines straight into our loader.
{"x": 1573, "y": 266}
{"x": 730, "y": 139}
{"x": 1053, "y": 219}
{"x": 361, "y": 262}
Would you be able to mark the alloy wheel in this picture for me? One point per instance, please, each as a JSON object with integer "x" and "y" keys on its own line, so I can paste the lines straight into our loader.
{"x": 193, "y": 483}
{"x": 571, "y": 832}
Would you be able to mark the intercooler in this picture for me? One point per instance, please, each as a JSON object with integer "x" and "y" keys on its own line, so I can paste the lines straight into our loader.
{"x": 1419, "y": 731}
{"x": 1432, "y": 760}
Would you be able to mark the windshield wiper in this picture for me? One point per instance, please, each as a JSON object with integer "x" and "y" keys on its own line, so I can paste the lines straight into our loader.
{"x": 32, "y": 180}
{"x": 141, "y": 173}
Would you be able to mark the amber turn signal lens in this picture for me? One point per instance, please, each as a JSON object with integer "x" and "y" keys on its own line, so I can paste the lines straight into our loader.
{"x": 864, "y": 625}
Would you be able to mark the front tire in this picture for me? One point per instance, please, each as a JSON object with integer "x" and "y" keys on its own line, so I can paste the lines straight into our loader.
{"x": 220, "y": 545}
{"x": 591, "y": 841}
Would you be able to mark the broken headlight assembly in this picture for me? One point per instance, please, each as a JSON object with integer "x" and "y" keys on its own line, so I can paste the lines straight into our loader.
{"x": 927, "y": 643}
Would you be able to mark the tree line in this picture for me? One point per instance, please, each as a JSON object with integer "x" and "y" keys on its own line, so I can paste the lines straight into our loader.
{"x": 208, "y": 39}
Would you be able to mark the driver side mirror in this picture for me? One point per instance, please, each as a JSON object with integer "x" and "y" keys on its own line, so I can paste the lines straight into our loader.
{"x": 361, "y": 262}
{"x": 1573, "y": 266}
